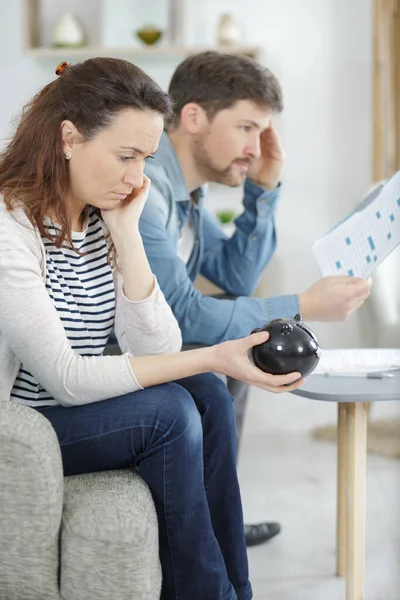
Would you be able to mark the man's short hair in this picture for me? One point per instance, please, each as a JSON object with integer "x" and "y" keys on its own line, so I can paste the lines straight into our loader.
{"x": 217, "y": 81}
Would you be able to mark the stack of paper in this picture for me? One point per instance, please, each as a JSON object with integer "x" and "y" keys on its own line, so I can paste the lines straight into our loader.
{"x": 365, "y": 360}
{"x": 366, "y": 237}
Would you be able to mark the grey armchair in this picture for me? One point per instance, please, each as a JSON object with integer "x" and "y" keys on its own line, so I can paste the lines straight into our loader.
{"x": 85, "y": 537}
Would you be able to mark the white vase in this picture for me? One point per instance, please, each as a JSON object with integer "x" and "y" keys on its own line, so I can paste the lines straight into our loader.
{"x": 176, "y": 21}
{"x": 67, "y": 31}
{"x": 229, "y": 32}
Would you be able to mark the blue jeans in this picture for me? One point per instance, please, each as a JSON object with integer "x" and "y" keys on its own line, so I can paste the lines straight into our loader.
{"x": 181, "y": 436}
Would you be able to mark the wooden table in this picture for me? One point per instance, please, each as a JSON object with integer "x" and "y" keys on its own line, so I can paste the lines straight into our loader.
{"x": 352, "y": 394}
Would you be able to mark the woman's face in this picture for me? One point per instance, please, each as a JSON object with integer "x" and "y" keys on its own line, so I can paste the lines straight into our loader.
{"x": 106, "y": 168}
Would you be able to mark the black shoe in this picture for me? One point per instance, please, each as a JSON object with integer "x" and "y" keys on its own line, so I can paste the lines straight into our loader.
{"x": 260, "y": 533}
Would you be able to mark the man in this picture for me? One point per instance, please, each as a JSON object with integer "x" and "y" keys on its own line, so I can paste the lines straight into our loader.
{"x": 222, "y": 132}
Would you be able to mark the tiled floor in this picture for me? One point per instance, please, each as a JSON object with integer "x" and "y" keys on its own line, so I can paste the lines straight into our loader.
{"x": 287, "y": 476}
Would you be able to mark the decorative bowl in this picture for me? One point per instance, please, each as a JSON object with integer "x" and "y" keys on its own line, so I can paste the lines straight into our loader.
{"x": 149, "y": 35}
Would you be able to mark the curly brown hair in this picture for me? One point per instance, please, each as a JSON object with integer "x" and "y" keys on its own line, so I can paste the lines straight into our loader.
{"x": 217, "y": 81}
{"x": 33, "y": 170}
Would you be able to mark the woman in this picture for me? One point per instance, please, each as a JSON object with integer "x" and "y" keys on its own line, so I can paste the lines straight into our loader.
{"x": 72, "y": 267}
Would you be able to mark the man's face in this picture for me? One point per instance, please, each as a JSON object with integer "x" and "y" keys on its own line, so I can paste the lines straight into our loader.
{"x": 224, "y": 147}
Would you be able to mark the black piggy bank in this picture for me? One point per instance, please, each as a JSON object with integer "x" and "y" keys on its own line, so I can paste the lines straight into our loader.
{"x": 291, "y": 346}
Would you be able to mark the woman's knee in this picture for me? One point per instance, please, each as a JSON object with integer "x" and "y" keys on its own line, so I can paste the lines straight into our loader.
{"x": 177, "y": 412}
{"x": 210, "y": 394}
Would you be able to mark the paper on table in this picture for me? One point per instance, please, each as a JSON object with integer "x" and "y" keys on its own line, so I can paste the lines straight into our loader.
{"x": 364, "y": 360}
{"x": 361, "y": 242}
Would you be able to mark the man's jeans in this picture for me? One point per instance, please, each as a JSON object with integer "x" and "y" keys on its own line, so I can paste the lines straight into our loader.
{"x": 182, "y": 437}
{"x": 238, "y": 390}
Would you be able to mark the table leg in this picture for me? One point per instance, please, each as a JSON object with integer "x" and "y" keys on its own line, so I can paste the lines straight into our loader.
{"x": 356, "y": 463}
{"x": 341, "y": 491}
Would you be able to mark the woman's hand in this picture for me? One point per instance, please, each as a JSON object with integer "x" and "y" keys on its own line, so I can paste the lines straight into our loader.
{"x": 124, "y": 220}
{"x": 228, "y": 358}
{"x": 123, "y": 225}
{"x": 232, "y": 359}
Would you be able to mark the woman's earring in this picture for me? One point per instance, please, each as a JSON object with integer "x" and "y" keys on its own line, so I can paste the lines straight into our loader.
{"x": 67, "y": 155}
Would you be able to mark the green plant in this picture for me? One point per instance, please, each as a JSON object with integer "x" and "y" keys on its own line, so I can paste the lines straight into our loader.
{"x": 225, "y": 216}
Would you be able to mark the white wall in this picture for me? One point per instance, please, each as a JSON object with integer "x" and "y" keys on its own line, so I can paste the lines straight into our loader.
{"x": 321, "y": 50}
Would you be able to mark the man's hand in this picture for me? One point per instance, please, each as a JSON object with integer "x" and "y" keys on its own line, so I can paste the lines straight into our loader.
{"x": 266, "y": 171}
{"x": 334, "y": 298}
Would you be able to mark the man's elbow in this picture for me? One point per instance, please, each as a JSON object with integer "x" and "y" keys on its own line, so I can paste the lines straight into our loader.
{"x": 241, "y": 288}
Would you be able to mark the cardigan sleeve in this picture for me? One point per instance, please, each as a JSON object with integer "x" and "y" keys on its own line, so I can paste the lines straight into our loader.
{"x": 145, "y": 327}
{"x": 34, "y": 332}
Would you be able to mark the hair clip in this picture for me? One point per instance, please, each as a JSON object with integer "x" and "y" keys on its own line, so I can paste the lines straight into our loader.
{"x": 62, "y": 67}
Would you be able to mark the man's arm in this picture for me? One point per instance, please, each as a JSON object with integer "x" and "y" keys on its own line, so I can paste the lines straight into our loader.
{"x": 202, "y": 319}
{"x": 236, "y": 264}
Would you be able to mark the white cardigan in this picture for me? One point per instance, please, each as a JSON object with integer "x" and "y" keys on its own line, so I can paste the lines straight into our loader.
{"x": 32, "y": 333}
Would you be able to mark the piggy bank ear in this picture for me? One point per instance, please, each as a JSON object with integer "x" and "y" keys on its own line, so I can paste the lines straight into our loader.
{"x": 256, "y": 330}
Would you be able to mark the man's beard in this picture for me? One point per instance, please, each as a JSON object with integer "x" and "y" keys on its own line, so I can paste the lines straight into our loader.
{"x": 212, "y": 172}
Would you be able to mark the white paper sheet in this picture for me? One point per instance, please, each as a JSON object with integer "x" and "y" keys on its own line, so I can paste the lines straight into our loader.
{"x": 361, "y": 242}
{"x": 364, "y": 360}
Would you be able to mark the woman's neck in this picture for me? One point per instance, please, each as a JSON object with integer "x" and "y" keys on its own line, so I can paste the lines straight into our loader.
{"x": 76, "y": 221}
{"x": 77, "y": 213}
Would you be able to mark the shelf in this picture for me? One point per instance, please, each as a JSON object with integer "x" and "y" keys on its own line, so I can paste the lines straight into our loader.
{"x": 107, "y": 35}
{"x": 150, "y": 51}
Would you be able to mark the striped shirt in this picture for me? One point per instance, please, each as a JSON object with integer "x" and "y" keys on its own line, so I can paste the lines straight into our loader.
{"x": 81, "y": 287}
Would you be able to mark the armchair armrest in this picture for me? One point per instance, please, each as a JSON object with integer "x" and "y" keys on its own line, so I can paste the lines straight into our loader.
{"x": 31, "y": 502}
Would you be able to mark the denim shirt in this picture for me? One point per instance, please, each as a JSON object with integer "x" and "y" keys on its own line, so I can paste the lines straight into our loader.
{"x": 234, "y": 264}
